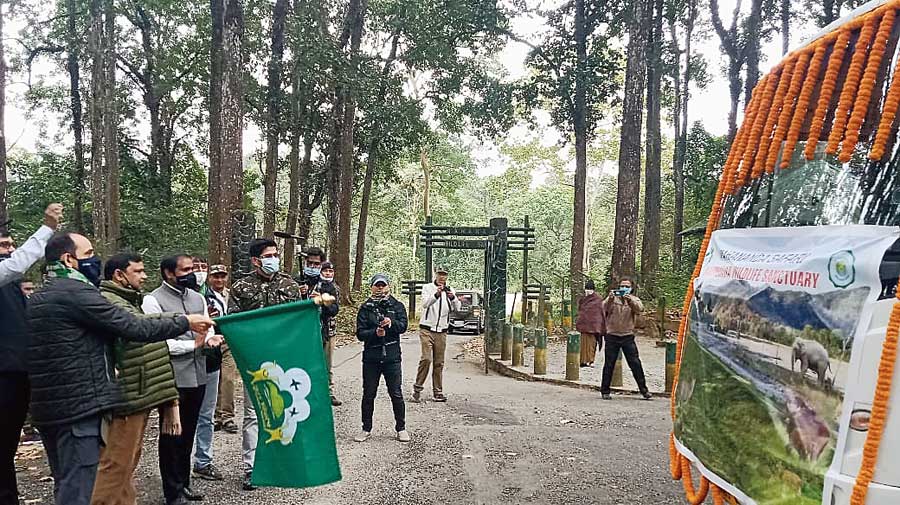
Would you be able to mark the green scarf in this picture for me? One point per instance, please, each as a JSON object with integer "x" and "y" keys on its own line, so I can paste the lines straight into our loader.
{"x": 59, "y": 270}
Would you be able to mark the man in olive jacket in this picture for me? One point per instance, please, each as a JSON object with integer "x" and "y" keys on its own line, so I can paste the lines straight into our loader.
{"x": 69, "y": 361}
{"x": 147, "y": 379}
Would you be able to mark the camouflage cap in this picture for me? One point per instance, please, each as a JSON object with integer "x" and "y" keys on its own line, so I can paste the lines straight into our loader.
{"x": 218, "y": 269}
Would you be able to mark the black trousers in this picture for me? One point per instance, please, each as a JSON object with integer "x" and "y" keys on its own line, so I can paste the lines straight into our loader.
{"x": 73, "y": 452}
{"x": 629, "y": 348}
{"x": 393, "y": 378}
{"x": 14, "y": 394}
{"x": 175, "y": 452}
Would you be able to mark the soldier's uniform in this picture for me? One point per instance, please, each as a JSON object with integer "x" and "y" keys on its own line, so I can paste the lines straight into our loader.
{"x": 249, "y": 293}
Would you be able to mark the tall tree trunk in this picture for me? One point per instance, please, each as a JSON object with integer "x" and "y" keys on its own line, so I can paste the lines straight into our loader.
{"x": 785, "y": 26}
{"x": 735, "y": 83}
{"x": 226, "y": 179}
{"x": 296, "y": 132}
{"x": 98, "y": 177}
{"x": 273, "y": 126}
{"x": 752, "y": 50}
{"x": 579, "y": 117}
{"x": 370, "y": 168}
{"x": 111, "y": 137}
{"x": 425, "y": 162}
{"x": 682, "y": 97}
{"x": 652, "y": 172}
{"x": 73, "y": 45}
{"x": 628, "y": 194}
{"x": 313, "y": 186}
{"x": 4, "y": 206}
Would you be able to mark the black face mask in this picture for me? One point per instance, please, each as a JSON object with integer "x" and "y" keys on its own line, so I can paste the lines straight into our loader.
{"x": 188, "y": 281}
{"x": 5, "y": 256}
{"x": 90, "y": 268}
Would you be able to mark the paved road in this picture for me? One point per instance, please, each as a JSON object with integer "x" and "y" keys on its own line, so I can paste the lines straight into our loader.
{"x": 496, "y": 441}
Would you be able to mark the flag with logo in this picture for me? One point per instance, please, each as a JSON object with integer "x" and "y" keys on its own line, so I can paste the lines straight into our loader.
{"x": 278, "y": 351}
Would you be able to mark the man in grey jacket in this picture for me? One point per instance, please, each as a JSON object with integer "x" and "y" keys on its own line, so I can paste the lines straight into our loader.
{"x": 178, "y": 294}
{"x": 438, "y": 300}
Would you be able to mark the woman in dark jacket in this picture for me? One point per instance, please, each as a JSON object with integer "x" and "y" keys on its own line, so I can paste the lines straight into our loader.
{"x": 591, "y": 323}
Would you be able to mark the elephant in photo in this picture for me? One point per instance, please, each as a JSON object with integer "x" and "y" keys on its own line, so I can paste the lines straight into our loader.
{"x": 813, "y": 356}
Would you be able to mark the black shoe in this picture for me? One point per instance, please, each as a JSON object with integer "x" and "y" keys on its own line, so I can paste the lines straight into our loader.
{"x": 440, "y": 398}
{"x": 209, "y": 472}
{"x": 647, "y": 395}
{"x": 191, "y": 495}
{"x": 335, "y": 402}
{"x": 247, "y": 485}
{"x": 229, "y": 427}
{"x": 181, "y": 500}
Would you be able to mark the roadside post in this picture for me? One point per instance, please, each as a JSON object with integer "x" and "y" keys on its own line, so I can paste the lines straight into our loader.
{"x": 540, "y": 352}
{"x": 573, "y": 355}
{"x": 671, "y": 346}
{"x": 518, "y": 353}
{"x": 506, "y": 347}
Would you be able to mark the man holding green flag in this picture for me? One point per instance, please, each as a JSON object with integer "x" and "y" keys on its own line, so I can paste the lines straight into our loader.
{"x": 277, "y": 347}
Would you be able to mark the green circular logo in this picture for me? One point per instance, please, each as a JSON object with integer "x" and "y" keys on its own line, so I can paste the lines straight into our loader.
{"x": 842, "y": 269}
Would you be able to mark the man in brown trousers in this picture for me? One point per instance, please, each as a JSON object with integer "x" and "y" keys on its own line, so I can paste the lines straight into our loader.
{"x": 438, "y": 300}
{"x": 591, "y": 323}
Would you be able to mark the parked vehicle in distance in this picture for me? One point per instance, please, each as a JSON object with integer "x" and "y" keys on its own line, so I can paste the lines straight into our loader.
{"x": 470, "y": 316}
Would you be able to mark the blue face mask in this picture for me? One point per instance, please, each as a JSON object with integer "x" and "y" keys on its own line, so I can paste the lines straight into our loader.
{"x": 90, "y": 268}
{"x": 270, "y": 265}
{"x": 312, "y": 271}
{"x": 624, "y": 290}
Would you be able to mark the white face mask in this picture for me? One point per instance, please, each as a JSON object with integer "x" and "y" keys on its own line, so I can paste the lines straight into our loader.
{"x": 588, "y": 292}
{"x": 270, "y": 265}
{"x": 201, "y": 277}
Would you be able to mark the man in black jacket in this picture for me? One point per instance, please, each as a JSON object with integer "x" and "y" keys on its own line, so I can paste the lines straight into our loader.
{"x": 379, "y": 324}
{"x": 328, "y": 321}
{"x": 73, "y": 382}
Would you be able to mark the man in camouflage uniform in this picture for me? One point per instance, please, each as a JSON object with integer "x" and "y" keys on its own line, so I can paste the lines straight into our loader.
{"x": 265, "y": 287}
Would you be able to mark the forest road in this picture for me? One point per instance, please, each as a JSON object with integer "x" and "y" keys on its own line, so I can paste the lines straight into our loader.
{"x": 496, "y": 440}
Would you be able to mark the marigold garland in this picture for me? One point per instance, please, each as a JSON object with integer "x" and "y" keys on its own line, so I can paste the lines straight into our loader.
{"x": 730, "y": 171}
{"x": 693, "y": 497}
{"x": 888, "y": 114}
{"x": 799, "y": 114}
{"x": 763, "y": 112}
{"x": 879, "y": 408}
{"x": 775, "y": 109}
{"x": 828, "y": 84}
{"x": 787, "y": 110}
{"x": 851, "y": 85}
{"x": 873, "y": 66}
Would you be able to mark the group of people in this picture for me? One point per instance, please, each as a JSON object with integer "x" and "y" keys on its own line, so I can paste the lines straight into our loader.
{"x": 611, "y": 320}
{"x": 90, "y": 355}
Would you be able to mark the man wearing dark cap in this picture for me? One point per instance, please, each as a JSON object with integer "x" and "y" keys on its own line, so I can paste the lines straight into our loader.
{"x": 379, "y": 324}
{"x": 438, "y": 300}
{"x": 328, "y": 320}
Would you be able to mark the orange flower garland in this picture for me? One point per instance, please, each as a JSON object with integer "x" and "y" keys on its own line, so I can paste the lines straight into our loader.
{"x": 784, "y": 82}
{"x": 888, "y": 114}
{"x": 861, "y": 107}
{"x": 879, "y": 408}
{"x": 787, "y": 110}
{"x": 851, "y": 84}
{"x": 812, "y": 77}
{"x": 730, "y": 170}
{"x": 763, "y": 112}
{"x": 828, "y": 85}
{"x": 693, "y": 497}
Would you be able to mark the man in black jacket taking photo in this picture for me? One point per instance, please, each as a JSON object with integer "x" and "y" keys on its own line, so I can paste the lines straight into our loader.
{"x": 72, "y": 327}
{"x": 379, "y": 324}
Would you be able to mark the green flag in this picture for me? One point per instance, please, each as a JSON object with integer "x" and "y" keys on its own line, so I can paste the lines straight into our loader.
{"x": 279, "y": 353}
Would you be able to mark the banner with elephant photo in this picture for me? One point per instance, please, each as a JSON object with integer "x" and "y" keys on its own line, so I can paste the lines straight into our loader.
{"x": 774, "y": 319}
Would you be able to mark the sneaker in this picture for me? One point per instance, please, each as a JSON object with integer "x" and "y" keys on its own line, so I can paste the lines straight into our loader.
{"x": 606, "y": 396}
{"x": 363, "y": 436}
{"x": 230, "y": 427}
{"x": 439, "y": 397}
{"x": 247, "y": 484}
{"x": 335, "y": 402}
{"x": 647, "y": 395}
{"x": 403, "y": 436}
{"x": 416, "y": 397}
{"x": 209, "y": 472}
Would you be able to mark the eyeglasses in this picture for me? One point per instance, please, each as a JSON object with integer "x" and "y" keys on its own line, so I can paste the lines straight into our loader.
{"x": 7, "y": 244}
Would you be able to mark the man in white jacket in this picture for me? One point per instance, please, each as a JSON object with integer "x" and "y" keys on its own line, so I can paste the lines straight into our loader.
{"x": 438, "y": 300}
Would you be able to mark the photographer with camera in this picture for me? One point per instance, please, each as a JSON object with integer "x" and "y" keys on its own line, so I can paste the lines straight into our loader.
{"x": 438, "y": 300}
{"x": 380, "y": 322}
{"x": 622, "y": 309}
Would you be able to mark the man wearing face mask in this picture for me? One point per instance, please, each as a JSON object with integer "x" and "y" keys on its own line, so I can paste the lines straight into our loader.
{"x": 621, "y": 309}
{"x": 313, "y": 257}
{"x": 265, "y": 287}
{"x": 328, "y": 320}
{"x": 178, "y": 293}
{"x": 438, "y": 301}
{"x": 148, "y": 382}
{"x": 70, "y": 362}
{"x": 14, "y": 390}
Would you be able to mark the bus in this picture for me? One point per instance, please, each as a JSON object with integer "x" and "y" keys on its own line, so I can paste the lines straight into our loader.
{"x": 802, "y": 251}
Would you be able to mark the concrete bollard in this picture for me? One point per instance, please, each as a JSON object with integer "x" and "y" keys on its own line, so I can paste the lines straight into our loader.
{"x": 617, "y": 372}
{"x": 540, "y": 352}
{"x": 507, "y": 344}
{"x": 518, "y": 351}
{"x": 567, "y": 314}
{"x": 573, "y": 355}
{"x": 671, "y": 347}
